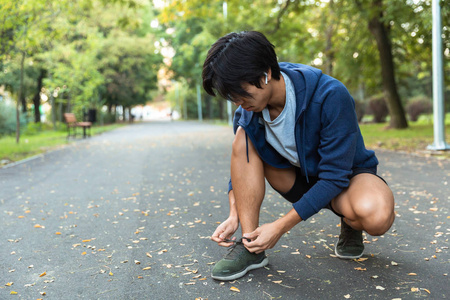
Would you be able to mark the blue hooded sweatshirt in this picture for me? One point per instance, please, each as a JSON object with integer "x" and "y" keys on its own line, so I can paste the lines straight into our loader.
{"x": 329, "y": 142}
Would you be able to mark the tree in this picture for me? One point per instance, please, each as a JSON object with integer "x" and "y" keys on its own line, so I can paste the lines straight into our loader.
{"x": 326, "y": 34}
{"x": 24, "y": 25}
{"x": 380, "y": 31}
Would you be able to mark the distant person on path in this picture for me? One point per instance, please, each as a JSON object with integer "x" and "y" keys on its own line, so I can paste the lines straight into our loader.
{"x": 297, "y": 128}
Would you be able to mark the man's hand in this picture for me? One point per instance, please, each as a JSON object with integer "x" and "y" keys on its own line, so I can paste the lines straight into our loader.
{"x": 225, "y": 231}
{"x": 263, "y": 238}
{"x": 266, "y": 236}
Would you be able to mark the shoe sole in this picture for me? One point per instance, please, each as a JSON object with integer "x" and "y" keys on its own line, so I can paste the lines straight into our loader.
{"x": 243, "y": 272}
{"x": 346, "y": 256}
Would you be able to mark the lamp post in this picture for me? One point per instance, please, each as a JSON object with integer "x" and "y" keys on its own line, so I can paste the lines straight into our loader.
{"x": 438, "y": 83}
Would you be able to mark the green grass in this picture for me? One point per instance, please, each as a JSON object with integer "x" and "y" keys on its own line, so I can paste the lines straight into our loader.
{"x": 42, "y": 141}
{"x": 415, "y": 138}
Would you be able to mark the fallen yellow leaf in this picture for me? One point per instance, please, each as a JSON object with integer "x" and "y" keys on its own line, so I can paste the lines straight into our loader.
{"x": 43, "y": 274}
{"x": 84, "y": 253}
{"x": 362, "y": 259}
{"x": 146, "y": 268}
{"x": 234, "y": 289}
{"x": 37, "y": 226}
{"x": 427, "y": 291}
{"x": 9, "y": 284}
{"x": 414, "y": 289}
{"x": 58, "y": 233}
{"x": 85, "y": 241}
{"x": 278, "y": 281}
{"x": 111, "y": 274}
{"x": 412, "y": 274}
{"x": 21, "y": 217}
{"x": 13, "y": 293}
{"x": 360, "y": 269}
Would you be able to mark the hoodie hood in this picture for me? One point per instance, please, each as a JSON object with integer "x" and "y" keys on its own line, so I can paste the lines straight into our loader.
{"x": 305, "y": 89}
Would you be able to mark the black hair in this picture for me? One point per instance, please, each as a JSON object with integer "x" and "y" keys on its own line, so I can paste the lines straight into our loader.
{"x": 235, "y": 59}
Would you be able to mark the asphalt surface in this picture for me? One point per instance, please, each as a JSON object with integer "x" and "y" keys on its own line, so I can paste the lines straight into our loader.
{"x": 128, "y": 215}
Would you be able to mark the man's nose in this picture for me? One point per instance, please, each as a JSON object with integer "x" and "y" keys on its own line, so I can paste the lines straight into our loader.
{"x": 238, "y": 102}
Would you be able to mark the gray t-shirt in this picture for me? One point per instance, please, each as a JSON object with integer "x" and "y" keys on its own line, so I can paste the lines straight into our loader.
{"x": 280, "y": 132}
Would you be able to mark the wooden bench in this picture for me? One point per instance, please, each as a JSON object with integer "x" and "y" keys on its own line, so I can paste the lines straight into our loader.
{"x": 71, "y": 121}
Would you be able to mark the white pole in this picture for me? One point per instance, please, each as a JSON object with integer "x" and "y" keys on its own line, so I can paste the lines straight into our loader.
{"x": 438, "y": 83}
{"x": 199, "y": 103}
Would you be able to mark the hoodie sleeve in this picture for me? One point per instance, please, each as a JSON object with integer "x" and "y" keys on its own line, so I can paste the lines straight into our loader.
{"x": 337, "y": 147}
{"x": 237, "y": 116}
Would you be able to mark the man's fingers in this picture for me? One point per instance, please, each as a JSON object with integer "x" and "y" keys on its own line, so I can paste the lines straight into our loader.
{"x": 225, "y": 244}
{"x": 216, "y": 239}
{"x": 252, "y": 235}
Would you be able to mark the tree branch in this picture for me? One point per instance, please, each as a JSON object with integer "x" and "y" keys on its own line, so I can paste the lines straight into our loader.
{"x": 280, "y": 15}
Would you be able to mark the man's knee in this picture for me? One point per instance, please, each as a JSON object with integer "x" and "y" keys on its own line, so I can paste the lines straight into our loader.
{"x": 376, "y": 214}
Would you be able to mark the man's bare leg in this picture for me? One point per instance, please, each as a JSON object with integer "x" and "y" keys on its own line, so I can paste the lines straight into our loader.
{"x": 248, "y": 181}
{"x": 367, "y": 204}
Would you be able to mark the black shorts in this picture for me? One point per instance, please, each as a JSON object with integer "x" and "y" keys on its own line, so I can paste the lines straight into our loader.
{"x": 301, "y": 186}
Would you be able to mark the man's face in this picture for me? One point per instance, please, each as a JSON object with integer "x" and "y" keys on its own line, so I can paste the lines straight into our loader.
{"x": 257, "y": 102}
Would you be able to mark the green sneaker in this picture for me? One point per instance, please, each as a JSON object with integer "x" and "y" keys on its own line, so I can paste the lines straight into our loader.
{"x": 350, "y": 244}
{"x": 237, "y": 262}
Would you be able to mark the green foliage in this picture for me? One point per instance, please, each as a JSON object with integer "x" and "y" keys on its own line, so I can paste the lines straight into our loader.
{"x": 332, "y": 35}
{"x": 99, "y": 52}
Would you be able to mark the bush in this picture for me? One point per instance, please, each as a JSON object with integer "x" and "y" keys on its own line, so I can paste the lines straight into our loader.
{"x": 33, "y": 128}
{"x": 8, "y": 119}
{"x": 378, "y": 108}
{"x": 417, "y": 106}
{"x": 108, "y": 118}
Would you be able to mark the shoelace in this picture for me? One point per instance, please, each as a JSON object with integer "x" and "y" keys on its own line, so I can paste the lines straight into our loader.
{"x": 235, "y": 250}
{"x": 237, "y": 241}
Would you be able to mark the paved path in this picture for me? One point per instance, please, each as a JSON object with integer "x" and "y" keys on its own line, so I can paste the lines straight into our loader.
{"x": 127, "y": 215}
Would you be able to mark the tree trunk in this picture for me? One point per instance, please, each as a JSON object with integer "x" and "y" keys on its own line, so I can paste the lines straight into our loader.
{"x": 23, "y": 101}
{"x": 379, "y": 31}
{"x": 37, "y": 97}
{"x": 19, "y": 97}
{"x": 329, "y": 32}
